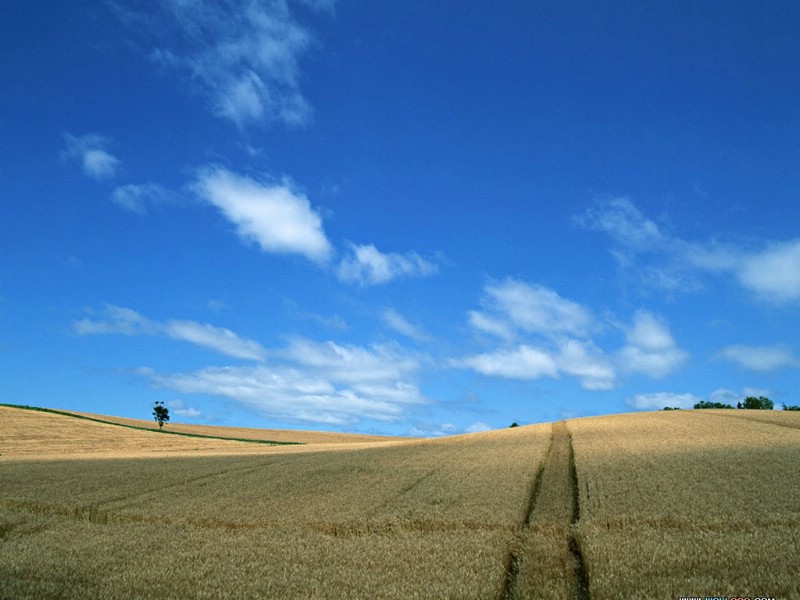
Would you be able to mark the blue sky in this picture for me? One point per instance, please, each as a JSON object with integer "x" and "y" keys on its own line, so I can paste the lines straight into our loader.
{"x": 398, "y": 217}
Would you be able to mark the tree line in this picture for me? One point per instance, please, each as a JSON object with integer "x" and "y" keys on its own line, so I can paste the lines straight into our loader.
{"x": 749, "y": 403}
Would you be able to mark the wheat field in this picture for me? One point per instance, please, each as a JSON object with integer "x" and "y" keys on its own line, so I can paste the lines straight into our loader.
{"x": 647, "y": 505}
{"x": 696, "y": 503}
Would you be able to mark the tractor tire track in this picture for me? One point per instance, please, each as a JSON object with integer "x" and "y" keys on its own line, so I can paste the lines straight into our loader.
{"x": 512, "y": 562}
{"x": 580, "y": 576}
{"x": 552, "y": 512}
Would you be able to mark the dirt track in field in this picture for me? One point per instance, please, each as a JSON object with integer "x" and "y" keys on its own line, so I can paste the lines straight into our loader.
{"x": 553, "y": 507}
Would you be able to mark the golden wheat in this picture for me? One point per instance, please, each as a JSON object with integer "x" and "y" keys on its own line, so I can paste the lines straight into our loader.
{"x": 417, "y": 519}
{"x": 40, "y": 435}
{"x": 272, "y": 435}
{"x": 539, "y": 555}
{"x": 671, "y": 504}
{"x": 693, "y": 502}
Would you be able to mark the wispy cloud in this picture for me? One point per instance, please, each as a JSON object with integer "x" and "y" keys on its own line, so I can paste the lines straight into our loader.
{"x": 125, "y": 321}
{"x": 627, "y": 226}
{"x": 771, "y": 272}
{"x": 91, "y": 152}
{"x": 243, "y": 54}
{"x": 512, "y": 307}
{"x": 274, "y": 215}
{"x": 136, "y": 197}
{"x": 325, "y": 383}
{"x": 366, "y": 265}
{"x": 117, "y": 320}
{"x": 400, "y": 324}
{"x": 429, "y": 429}
{"x": 761, "y": 358}
{"x": 220, "y": 339}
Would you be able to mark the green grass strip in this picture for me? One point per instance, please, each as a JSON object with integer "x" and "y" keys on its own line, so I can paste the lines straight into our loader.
{"x": 194, "y": 435}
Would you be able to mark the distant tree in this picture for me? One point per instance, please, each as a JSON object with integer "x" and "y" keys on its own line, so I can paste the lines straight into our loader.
{"x": 672, "y": 408}
{"x": 760, "y": 403}
{"x": 707, "y": 404}
{"x": 789, "y": 407}
{"x": 514, "y": 424}
{"x": 160, "y": 414}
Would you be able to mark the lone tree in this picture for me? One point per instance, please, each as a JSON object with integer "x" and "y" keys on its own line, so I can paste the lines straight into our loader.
{"x": 760, "y": 403}
{"x": 160, "y": 414}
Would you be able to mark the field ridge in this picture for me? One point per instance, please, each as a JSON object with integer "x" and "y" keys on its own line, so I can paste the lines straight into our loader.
{"x": 72, "y": 415}
{"x": 758, "y": 416}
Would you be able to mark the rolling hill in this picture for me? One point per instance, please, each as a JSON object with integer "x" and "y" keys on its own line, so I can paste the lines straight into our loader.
{"x": 644, "y": 505}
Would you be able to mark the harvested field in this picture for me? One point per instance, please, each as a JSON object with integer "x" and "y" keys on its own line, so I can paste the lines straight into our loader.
{"x": 646, "y": 505}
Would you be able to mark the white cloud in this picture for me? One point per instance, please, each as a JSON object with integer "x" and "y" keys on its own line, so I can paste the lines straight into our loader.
{"x": 761, "y": 358}
{"x": 588, "y": 363}
{"x": 125, "y": 321}
{"x": 222, "y": 340}
{"x": 477, "y": 427}
{"x": 276, "y": 217}
{"x": 550, "y": 337}
{"x": 516, "y": 305}
{"x": 576, "y": 358}
{"x": 771, "y": 272}
{"x": 136, "y": 197}
{"x": 659, "y": 400}
{"x": 90, "y": 150}
{"x": 650, "y": 348}
{"x": 243, "y": 54}
{"x": 352, "y": 364}
{"x": 515, "y": 309}
{"x": 493, "y": 325}
{"x": 522, "y": 362}
{"x": 306, "y": 381}
{"x": 325, "y": 383}
{"x": 399, "y": 323}
{"x": 179, "y": 408}
{"x": 366, "y": 265}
